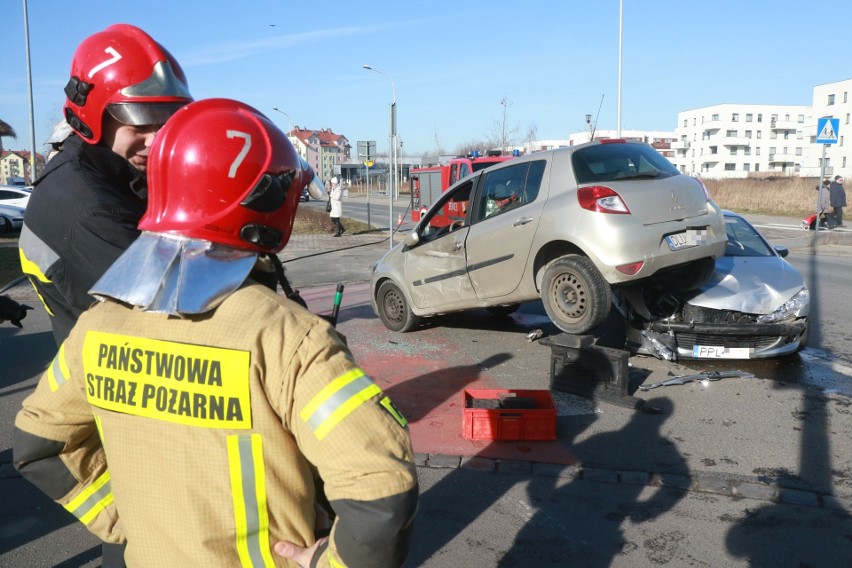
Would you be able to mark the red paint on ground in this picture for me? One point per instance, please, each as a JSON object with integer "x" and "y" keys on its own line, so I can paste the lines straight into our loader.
{"x": 425, "y": 376}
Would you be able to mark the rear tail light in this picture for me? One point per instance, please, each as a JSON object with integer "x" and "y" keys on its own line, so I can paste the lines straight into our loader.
{"x": 704, "y": 188}
{"x": 601, "y": 199}
{"x": 631, "y": 268}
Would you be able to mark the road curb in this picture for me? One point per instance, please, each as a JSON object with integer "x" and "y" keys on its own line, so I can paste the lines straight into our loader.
{"x": 727, "y": 485}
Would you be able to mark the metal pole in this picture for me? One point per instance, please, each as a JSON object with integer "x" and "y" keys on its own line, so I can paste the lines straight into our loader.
{"x": 391, "y": 153}
{"x": 289, "y": 122}
{"x": 30, "y": 91}
{"x": 819, "y": 189}
{"x": 368, "y": 195}
{"x": 620, "y": 21}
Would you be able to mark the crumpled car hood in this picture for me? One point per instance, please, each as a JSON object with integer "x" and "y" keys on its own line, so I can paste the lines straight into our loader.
{"x": 749, "y": 284}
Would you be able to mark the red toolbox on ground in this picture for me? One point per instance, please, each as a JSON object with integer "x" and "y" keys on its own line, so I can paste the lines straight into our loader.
{"x": 506, "y": 414}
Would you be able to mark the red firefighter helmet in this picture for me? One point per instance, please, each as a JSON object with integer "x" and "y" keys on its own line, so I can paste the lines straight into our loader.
{"x": 124, "y": 71}
{"x": 221, "y": 171}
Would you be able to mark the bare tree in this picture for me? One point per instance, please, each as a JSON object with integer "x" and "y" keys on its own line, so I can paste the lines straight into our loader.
{"x": 6, "y": 130}
{"x": 532, "y": 136}
{"x": 439, "y": 148}
{"x": 501, "y": 133}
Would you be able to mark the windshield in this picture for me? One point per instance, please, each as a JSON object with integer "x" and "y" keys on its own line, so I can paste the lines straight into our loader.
{"x": 744, "y": 240}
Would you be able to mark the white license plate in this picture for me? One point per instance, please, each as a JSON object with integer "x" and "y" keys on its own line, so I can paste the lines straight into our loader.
{"x": 686, "y": 239}
{"x": 716, "y": 352}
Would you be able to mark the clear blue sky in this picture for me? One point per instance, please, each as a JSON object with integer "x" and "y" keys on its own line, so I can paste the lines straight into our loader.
{"x": 452, "y": 62}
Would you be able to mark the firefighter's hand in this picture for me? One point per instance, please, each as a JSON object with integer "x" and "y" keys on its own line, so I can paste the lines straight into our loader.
{"x": 299, "y": 555}
{"x": 12, "y": 310}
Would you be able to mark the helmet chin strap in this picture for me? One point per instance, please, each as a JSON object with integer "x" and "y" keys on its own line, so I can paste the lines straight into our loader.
{"x": 291, "y": 293}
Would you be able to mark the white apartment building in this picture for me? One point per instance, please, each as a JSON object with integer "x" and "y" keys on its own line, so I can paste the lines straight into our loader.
{"x": 742, "y": 140}
{"x": 662, "y": 140}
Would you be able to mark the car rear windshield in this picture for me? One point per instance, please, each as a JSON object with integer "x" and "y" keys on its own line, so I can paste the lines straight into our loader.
{"x": 620, "y": 161}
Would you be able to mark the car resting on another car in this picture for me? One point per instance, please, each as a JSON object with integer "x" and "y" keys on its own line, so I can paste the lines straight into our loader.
{"x": 755, "y": 305}
{"x": 565, "y": 226}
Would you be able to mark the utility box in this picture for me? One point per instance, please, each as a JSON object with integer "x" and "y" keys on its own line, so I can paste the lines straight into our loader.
{"x": 509, "y": 415}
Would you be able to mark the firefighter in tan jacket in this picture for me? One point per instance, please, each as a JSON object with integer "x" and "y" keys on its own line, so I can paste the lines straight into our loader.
{"x": 193, "y": 412}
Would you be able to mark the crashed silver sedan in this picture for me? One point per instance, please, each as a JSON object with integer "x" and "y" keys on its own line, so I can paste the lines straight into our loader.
{"x": 755, "y": 305}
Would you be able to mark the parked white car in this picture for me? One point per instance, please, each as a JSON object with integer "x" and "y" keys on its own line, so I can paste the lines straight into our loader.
{"x": 11, "y": 218}
{"x": 15, "y": 195}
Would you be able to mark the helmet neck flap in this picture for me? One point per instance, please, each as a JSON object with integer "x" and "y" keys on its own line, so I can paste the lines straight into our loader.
{"x": 175, "y": 275}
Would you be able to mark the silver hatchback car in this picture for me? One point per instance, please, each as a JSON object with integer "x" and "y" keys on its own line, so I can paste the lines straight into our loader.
{"x": 563, "y": 225}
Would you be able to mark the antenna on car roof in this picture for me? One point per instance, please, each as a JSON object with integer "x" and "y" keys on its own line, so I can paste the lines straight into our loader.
{"x": 595, "y": 125}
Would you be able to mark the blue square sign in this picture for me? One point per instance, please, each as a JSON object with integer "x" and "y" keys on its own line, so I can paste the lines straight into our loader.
{"x": 827, "y": 130}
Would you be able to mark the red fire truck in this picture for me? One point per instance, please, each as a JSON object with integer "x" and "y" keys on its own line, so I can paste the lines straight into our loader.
{"x": 430, "y": 182}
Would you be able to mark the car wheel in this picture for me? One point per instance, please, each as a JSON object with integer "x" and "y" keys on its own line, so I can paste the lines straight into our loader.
{"x": 503, "y": 311}
{"x": 575, "y": 295}
{"x": 688, "y": 277}
{"x": 394, "y": 309}
{"x": 5, "y": 225}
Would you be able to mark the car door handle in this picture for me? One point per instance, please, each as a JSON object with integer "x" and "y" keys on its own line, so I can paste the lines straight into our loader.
{"x": 458, "y": 245}
{"x": 522, "y": 221}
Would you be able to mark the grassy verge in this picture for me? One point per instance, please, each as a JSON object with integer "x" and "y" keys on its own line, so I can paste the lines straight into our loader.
{"x": 10, "y": 265}
{"x": 785, "y": 197}
{"x": 314, "y": 222}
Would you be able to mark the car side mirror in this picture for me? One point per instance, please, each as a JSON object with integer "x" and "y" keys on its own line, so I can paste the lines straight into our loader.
{"x": 411, "y": 239}
{"x": 782, "y": 250}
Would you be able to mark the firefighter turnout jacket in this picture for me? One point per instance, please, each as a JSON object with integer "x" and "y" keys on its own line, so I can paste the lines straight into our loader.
{"x": 82, "y": 215}
{"x": 214, "y": 427}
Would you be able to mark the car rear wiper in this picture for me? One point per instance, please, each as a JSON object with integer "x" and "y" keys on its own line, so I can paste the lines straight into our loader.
{"x": 705, "y": 376}
{"x": 638, "y": 175}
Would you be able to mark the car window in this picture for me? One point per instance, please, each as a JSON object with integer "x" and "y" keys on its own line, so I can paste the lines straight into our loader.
{"x": 10, "y": 195}
{"x": 509, "y": 188}
{"x": 620, "y": 161}
{"x": 743, "y": 240}
{"x": 452, "y": 207}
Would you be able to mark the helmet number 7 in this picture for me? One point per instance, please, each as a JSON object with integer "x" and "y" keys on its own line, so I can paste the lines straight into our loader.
{"x": 115, "y": 57}
{"x": 232, "y": 172}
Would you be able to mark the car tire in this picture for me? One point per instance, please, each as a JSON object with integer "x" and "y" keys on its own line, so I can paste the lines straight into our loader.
{"x": 503, "y": 311}
{"x": 394, "y": 310}
{"x": 688, "y": 277}
{"x": 5, "y": 225}
{"x": 575, "y": 295}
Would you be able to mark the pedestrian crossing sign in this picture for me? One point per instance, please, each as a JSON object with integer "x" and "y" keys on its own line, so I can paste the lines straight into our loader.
{"x": 827, "y": 130}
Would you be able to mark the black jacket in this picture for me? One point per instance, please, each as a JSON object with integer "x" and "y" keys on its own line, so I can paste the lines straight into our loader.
{"x": 83, "y": 213}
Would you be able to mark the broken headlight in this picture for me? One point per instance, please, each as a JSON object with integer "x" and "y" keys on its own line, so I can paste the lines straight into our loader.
{"x": 791, "y": 308}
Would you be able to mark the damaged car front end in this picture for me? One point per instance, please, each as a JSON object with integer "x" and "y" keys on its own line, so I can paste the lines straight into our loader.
{"x": 754, "y": 306}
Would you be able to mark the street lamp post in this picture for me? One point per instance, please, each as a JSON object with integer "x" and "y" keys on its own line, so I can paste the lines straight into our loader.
{"x": 392, "y": 152}
{"x": 30, "y": 92}
{"x": 289, "y": 123}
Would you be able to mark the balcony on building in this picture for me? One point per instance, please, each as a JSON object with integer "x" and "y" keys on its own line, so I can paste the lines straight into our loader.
{"x": 783, "y": 124}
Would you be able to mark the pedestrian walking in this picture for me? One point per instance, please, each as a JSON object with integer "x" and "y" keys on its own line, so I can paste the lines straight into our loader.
{"x": 227, "y": 411}
{"x": 336, "y": 200}
{"x": 837, "y": 195}
{"x": 824, "y": 206}
{"x": 88, "y": 201}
